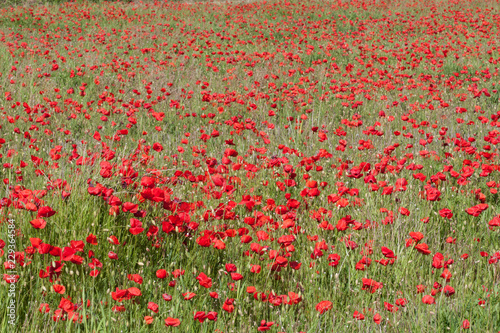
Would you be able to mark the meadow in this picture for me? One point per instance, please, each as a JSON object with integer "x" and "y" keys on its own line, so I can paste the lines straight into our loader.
{"x": 280, "y": 165}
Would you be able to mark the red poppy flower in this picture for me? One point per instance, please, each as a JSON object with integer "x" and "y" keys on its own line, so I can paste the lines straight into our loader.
{"x": 204, "y": 280}
{"x": 423, "y": 248}
{"x": 135, "y": 277}
{"x": 358, "y": 315}
{"x": 401, "y": 302}
{"x": 476, "y": 210}
{"x": 200, "y": 316}
{"x": 265, "y": 326}
{"x": 428, "y": 299}
{"x": 212, "y": 315}
{"x": 59, "y": 289}
{"x": 417, "y": 236}
{"x": 371, "y": 285}
{"x": 45, "y": 211}
{"x": 404, "y": 211}
{"x": 446, "y": 213}
{"x": 236, "y": 276}
{"x": 388, "y": 252}
{"x": 323, "y": 306}
{"x": 134, "y": 291}
{"x": 231, "y": 268}
{"x": 188, "y": 295}
{"x": 135, "y": 226}
{"x": 44, "y": 308}
{"x": 438, "y": 260}
{"x": 91, "y": 239}
{"x": 254, "y": 269}
{"x": 495, "y": 222}
{"x": 130, "y": 207}
{"x": 38, "y": 223}
{"x": 448, "y": 290}
{"x": 446, "y": 274}
{"x": 174, "y": 322}
{"x": 390, "y": 307}
{"x": 161, "y": 273}
{"x": 228, "y": 305}
{"x": 153, "y": 307}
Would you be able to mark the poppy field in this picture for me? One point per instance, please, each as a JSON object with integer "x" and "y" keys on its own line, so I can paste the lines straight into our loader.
{"x": 281, "y": 165}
